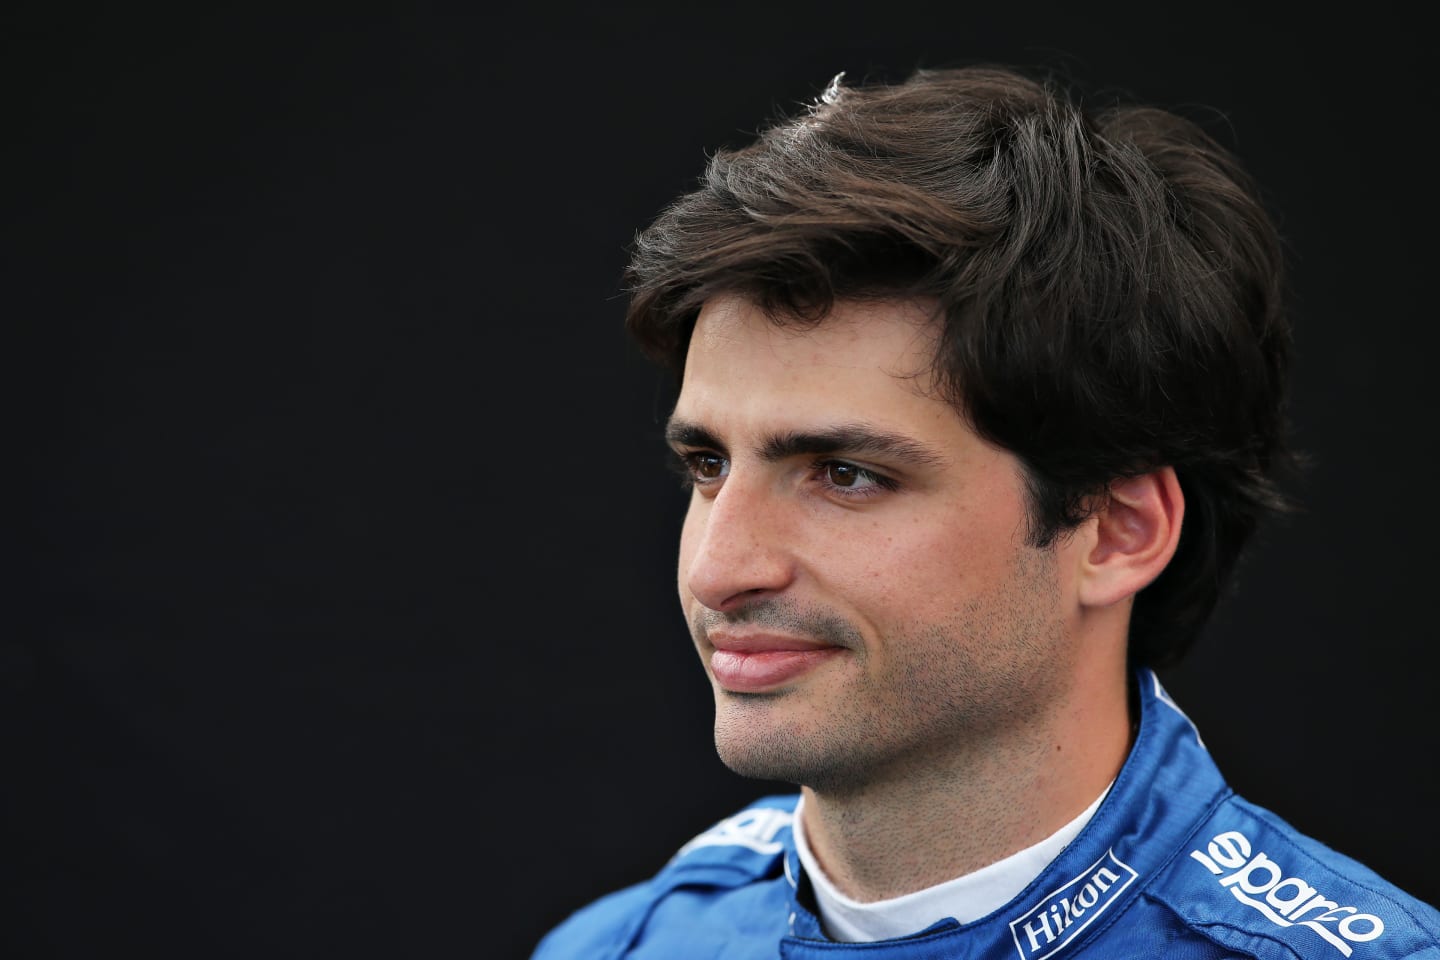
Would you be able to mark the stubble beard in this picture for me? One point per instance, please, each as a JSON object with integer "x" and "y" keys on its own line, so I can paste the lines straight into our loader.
{"x": 963, "y": 685}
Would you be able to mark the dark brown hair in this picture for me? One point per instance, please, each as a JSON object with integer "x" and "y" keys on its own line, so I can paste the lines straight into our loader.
{"x": 1110, "y": 282}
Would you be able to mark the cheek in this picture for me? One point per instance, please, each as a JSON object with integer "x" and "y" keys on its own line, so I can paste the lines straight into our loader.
{"x": 936, "y": 557}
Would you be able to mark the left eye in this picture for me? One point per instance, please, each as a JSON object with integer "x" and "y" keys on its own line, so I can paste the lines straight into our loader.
{"x": 845, "y": 474}
{"x": 839, "y": 475}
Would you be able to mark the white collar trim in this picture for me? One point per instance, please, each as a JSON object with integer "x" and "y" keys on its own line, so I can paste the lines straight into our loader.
{"x": 966, "y": 898}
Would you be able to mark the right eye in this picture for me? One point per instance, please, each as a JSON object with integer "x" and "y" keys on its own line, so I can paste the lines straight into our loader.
{"x": 703, "y": 467}
{"x": 707, "y": 467}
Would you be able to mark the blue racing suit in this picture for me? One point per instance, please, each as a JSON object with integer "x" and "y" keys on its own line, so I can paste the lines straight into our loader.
{"x": 1173, "y": 866}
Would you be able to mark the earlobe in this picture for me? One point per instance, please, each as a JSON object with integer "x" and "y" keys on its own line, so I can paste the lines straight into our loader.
{"x": 1136, "y": 531}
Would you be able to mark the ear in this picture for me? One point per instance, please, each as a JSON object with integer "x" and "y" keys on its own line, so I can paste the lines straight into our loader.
{"x": 1137, "y": 528}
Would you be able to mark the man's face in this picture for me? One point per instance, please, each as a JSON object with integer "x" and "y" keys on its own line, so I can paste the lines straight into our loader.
{"x": 853, "y": 564}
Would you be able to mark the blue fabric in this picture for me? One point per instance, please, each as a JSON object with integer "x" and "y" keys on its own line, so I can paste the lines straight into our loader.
{"x": 1173, "y": 865}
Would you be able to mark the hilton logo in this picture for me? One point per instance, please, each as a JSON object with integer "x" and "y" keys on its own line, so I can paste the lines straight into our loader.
{"x": 1059, "y": 918}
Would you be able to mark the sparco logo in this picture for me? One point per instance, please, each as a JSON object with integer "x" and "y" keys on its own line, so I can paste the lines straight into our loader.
{"x": 1288, "y": 901}
{"x": 1059, "y": 918}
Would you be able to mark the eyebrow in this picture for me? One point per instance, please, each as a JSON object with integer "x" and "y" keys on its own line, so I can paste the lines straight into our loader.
{"x": 843, "y": 438}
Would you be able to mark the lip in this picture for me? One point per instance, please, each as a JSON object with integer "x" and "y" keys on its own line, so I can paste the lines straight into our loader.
{"x": 763, "y": 642}
{"x": 762, "y": 663}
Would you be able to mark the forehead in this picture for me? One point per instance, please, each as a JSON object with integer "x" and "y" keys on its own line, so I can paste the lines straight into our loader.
{"x": 865, "y": 359}
{"x": 897, "y": 338}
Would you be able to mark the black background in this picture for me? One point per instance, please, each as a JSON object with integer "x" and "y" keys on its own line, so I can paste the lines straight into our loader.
{"x": 344, "y": 587}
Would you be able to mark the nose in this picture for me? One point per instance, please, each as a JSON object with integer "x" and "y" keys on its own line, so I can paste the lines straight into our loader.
{"x": 736, "y": 546}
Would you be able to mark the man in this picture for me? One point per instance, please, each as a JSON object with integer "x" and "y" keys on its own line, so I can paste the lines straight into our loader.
{"x": 981, "y": 397}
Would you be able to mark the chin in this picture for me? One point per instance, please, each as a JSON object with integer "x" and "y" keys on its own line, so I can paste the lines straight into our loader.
{"x": 767, "y": 747}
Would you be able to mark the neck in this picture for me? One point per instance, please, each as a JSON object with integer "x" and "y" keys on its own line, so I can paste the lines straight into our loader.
{"x": 979, "y": 803}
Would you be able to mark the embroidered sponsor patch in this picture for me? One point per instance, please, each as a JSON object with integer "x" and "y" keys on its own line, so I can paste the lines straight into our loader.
{"x": 752, "y": 829}
{"x": 1062, "y": 914}
{"x": 1286, "y": 901}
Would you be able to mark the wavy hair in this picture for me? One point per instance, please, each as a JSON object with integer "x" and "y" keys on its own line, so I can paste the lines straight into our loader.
{"x": 1111, "y": 287}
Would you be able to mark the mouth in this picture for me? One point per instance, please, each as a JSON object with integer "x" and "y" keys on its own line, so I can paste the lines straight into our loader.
{"x": 765, "y": 664}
